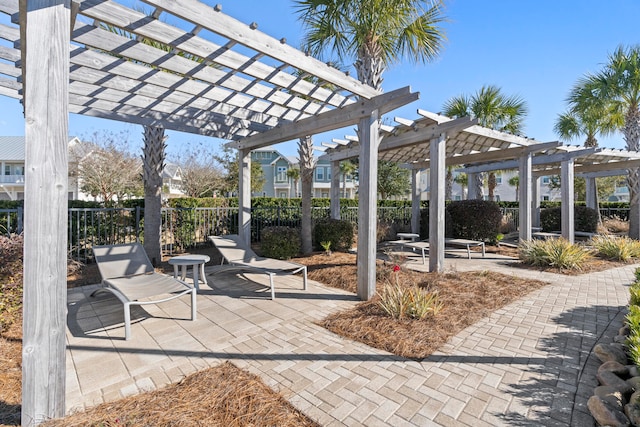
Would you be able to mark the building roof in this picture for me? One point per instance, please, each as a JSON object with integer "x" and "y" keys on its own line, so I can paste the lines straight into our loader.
{"x": 12, "y": 148}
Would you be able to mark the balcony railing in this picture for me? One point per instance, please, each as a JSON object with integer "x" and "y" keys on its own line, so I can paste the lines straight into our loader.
{"x": 11, "y": 179}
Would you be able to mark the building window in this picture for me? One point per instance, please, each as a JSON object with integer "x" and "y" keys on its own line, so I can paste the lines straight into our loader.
{"x": 545, "y": 198}
{"x": 319, "y": 174}
{"x": 457, "y": 198}
{"x": 328, "y": 174}
{"x": 281, "y": 175}
{"x": 498, "y": 178}
{"x": 282, "y": 194}
{"x": 7, "y": 169}
{"x": 545, "y": 180}
{"x": 325, "y": 195}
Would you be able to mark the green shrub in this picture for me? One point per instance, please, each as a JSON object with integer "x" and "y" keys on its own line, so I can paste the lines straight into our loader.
{"x": 637, "y": 274}
{"x": 280, "y": 242}
{"x": 633, "y": 340}
{"x": 475, "y": 219}
{"x": 338, "y": 232}
{"x": 584, "y": 219}
{"x": 424, "y": 224}
{"x": 557, "y": 253}
{"x": 634, "y": 290}
{"x": 619, "y": 248}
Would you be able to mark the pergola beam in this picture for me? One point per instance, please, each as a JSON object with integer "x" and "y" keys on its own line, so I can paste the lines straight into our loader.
{"x": 409, "y": 138}
{"x": 331, "y": 120}
{"x": 538, "y": 160}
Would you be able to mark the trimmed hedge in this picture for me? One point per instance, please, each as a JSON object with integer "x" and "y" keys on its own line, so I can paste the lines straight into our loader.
{"x": 475, "y": 219}
{"x": 337, "y": 231}
{"x": 584, "y": 219}
{"x": 280, "y": 242}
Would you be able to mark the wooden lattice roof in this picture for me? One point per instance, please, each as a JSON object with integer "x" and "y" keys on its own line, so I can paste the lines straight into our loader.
{"x": 478, "y": 148}
{"x": 185, "y": 66}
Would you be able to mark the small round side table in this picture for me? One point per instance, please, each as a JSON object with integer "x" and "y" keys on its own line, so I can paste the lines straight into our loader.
{"x": 196, "y": 262}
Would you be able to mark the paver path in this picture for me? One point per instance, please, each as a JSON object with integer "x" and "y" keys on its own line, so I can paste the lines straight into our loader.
{"x": 526, "y": 364}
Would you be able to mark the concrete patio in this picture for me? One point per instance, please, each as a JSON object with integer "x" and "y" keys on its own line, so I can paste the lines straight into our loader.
{"x": 526, "y": 364}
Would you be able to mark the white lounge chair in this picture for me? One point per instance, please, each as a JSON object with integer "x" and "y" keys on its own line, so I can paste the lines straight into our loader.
{"x": 128, "y": 274}
{"x": 239, "y": 255}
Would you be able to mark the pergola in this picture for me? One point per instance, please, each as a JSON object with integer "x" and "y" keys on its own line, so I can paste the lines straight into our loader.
{"x": 436, "y": 142}
{"x": 187, "y": 67}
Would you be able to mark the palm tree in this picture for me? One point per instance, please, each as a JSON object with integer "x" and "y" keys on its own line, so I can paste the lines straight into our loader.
{"x": 347, "y": 168}
{"x": 153, "y": 165}
{"x": 514, "y": 181}
{"x": 294, "y": 175}
{"x": 587, "y": 117}
{"x": 493, "y": 110}
{"x": 462, "y": 179}
{"x": 375, "y": 34}
{"x": 618, "y": 85}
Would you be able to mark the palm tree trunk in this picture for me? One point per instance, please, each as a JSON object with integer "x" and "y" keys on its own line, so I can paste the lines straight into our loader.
{"x": 307, "y": 163}
{"x": 448, "y": 189}
{"x": 477, "y": 183}
{"x": 492, "y": 184}
{"x": 153, "y": 165}
{"x": 631, "y": 132}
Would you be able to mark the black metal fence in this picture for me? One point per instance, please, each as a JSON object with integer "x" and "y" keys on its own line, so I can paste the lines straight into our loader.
{"x": 186, "y": 227}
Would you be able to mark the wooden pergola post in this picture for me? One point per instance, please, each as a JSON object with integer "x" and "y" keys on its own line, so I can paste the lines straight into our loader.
{"x": 535, "y": 206}
{"x": 591, "y": 192}
{"x": 437, "y": 175}
{"x": 525, "y": 199}
{"x": 244, "y": 196}
{"x": 415, "y": 201}
{"x": 567, "y": 193}
{"x": 368, "y": 205}
{"x": 46, "y": 84}
{"x": 472, "y": 189}
{"x": 335, "y": 190}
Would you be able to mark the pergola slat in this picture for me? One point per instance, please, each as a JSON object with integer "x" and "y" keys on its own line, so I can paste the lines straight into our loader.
{"x": 122, "y": 46}
{"x": 201, "y": 14}
{"x": 146, "y": 26}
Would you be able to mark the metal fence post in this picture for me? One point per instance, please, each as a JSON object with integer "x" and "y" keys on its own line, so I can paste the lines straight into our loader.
{"x": 20, "y": 219}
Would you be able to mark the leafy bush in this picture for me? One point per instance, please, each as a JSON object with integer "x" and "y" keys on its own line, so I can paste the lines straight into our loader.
{"x": 475, "y": 219}
{"x": 280, "y": 242}
{"x": 584, "y": 219}
{"x": 620, "y": 248}
{"x": 557, "y": 253}
{"x": 399, "y": 302}
{"x": 424, "y": 224}
{"x": 634, "y": 290}
{"x": 337, "y": 231}
{"x": 633, "y": 340}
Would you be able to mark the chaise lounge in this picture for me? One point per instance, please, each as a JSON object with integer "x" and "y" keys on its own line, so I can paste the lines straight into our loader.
{"x": 238, "y": 255}
{"x": 128, "y": 274}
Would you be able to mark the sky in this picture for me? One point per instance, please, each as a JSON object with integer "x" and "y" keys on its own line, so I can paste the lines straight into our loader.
{"x": 533, "y": 49}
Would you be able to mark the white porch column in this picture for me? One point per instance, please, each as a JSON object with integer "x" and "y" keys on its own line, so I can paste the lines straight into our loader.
{"x": 436, "y": 203}
{"x": 535, "y": 207}
{"x": 367, "y": 205}
{"x": 472, "y": 190}
{"x": 244, "y": 196}
{"x": 335, "y": 190}
{"x": 46, "y": 107}
{"x": 415, "y": 201}
{"x": 525, "y": 199}
{"x": 591, "y": 192}
{"x": 567, "y": 195}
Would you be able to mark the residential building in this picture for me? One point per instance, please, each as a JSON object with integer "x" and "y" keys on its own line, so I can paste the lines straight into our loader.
{"x": 12, "y": 158}
{"x": 278, "y": 184}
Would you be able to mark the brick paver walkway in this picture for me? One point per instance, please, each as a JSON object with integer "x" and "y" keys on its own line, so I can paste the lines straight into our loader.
{"x": 526, "y": 364}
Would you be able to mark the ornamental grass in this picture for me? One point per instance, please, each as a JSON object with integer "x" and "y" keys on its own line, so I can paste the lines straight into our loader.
{"x": 618, "y": 248}
{"x": 556, "y": 253}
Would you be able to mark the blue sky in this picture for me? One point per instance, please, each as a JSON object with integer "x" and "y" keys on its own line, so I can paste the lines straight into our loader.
{"x": 534, "y": 49}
